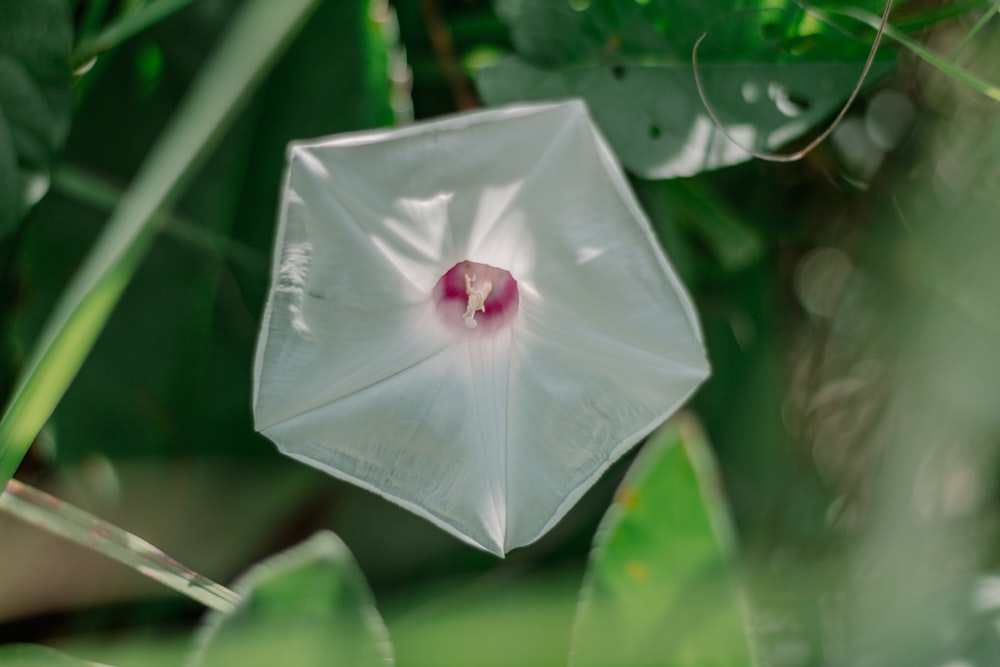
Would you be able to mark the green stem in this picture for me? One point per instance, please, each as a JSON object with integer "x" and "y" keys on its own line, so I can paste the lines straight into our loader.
{"x": 93, "y": 17}
{"x": 89, "y": 189}
{"x": 987, "y": 16}
{"x": 125, "y": 26}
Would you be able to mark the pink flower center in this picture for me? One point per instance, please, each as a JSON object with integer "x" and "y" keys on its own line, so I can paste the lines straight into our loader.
{"x": 476, "y": 297}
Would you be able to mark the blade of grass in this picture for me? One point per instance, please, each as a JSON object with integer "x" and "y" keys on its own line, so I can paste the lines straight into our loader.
{"x": 929, "y": 17}
{"x": 988, "y": 89}
{"x": 987, "y": 16}
{"x": 85, "y": 187}
{"x": 93, "y": 17}
{"x": 251, "y": 44}
{"x": 55, "y": 516}
{"x": 125, "y": 26}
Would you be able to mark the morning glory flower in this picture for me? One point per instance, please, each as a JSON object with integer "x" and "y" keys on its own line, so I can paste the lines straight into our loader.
{"x": 470, "y": 317}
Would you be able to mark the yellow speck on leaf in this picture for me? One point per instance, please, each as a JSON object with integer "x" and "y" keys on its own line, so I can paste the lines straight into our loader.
{"x": 627, "y": 497}
{"x": 636, "y": 570}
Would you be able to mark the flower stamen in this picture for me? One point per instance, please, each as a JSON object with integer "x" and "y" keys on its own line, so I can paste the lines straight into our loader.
{"x": 470, "y": 295}
{"x": 477, "y": 299}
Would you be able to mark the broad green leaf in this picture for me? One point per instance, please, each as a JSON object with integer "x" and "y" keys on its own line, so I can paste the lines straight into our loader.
{"x": 660, "y": 589}
{"x": 32, "y": 655}
{"x": 307, "y": 606}
{"x": 35, "y": 100}
{"x": 769, "y": 75}
{"x": 566, "y": 33}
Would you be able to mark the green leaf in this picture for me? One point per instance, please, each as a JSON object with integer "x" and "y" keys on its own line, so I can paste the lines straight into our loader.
{"x": 307, "y": 606}
{"x": 32, "y": 655}
{"x": 769, "y": 75}
{"x": 181, "y": 388}
{"x": 659, "y": 588}
{"x": 565, "y": 33}
{"x": 257, "y": 35}
{"x": 36, "y": 99}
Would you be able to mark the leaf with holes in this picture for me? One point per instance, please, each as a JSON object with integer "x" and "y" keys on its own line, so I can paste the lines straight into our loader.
{"x": 35, "y": 100}
{"x": 770, "y": 75}
{"x": 659, "y": 587}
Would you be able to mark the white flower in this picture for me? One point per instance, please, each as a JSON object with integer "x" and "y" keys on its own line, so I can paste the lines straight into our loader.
{"x": 470, "y": 317}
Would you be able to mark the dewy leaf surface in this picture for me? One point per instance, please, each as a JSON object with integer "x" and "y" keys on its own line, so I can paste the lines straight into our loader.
{"x": 658, "y": 589}
{"x": 771, "y": 75}
{"x": 35, "y": 99}
{"x": 307, "y": 606}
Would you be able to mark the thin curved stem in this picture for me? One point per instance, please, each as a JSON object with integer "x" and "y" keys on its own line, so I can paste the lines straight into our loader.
{"x": 799, "y": 154}
{"x": 986, "y": 88}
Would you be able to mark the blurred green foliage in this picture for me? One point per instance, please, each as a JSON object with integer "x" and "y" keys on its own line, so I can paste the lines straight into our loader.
{"x": 770, "y": 72}
{"x": 35, "y": 100}
{"x": 847, "y": 302}
{"x": 30, "y": 655}
{"x": 661, "y": 581}
{"x": 305, "y": 606}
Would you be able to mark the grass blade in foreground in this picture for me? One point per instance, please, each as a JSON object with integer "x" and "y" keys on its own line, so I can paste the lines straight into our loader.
{"x": 256, "y": 37}
{"x": 88, "y": 189}
{"x": 42, "y": 510}
{"x": 307, "y": 606}
{"x": 990, "y": 90}
{"x": 659, "y": 586}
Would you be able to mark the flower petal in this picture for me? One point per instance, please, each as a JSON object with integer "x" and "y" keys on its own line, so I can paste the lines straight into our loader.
{"x": 492, "y": 437}
{"x": 582, "y": 400}
{"x": 430, "y": 438}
